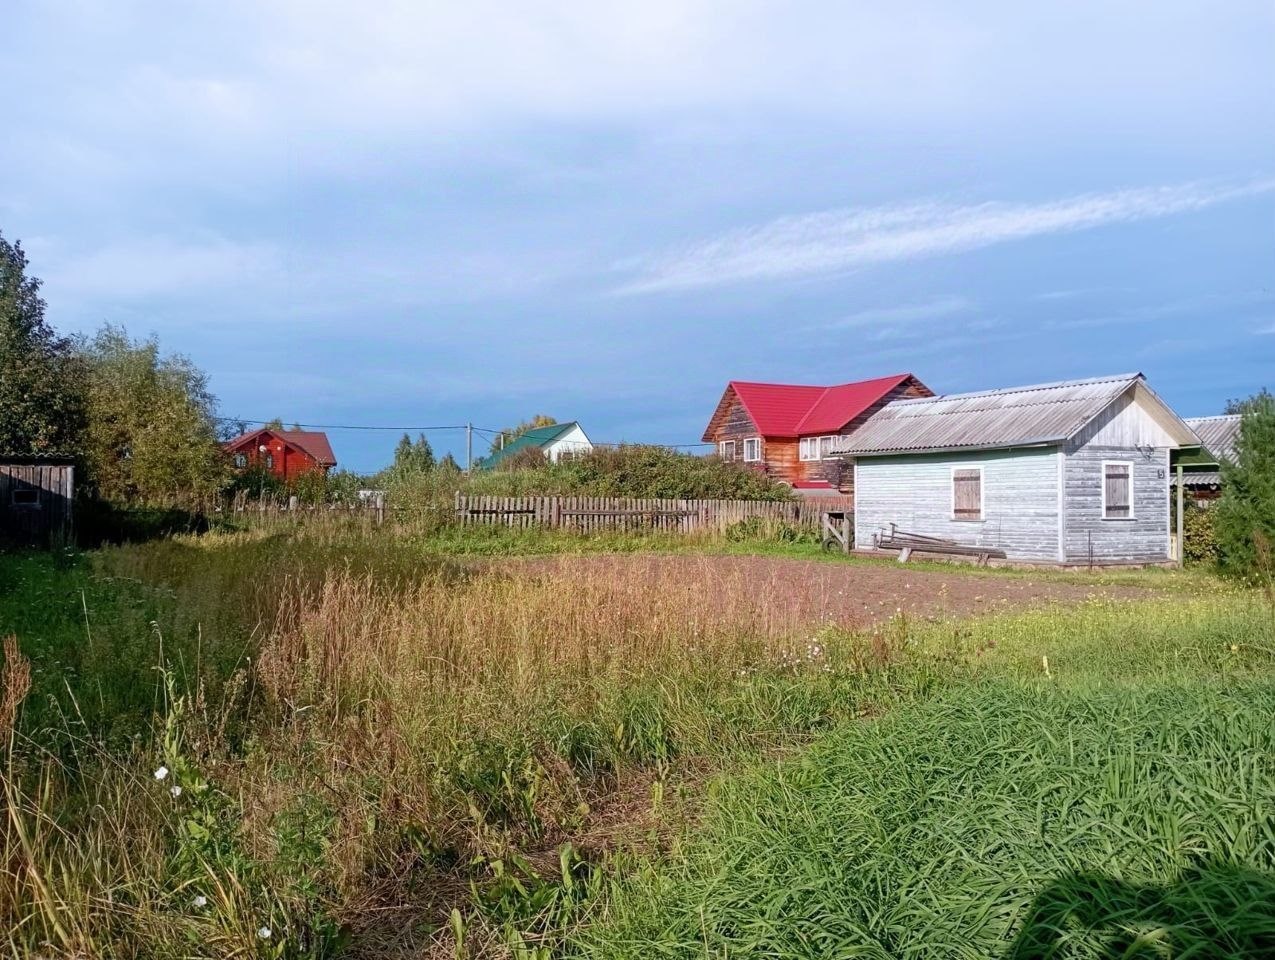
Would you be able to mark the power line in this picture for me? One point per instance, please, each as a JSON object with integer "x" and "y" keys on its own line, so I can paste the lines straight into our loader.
{"x": 347, "y": 426}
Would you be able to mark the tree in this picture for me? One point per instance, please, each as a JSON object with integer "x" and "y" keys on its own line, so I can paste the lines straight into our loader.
{"x": 275, "y": 424}
{"x": 509, "y": 434}
{"x": 1246, "y": 512}
{"x": 411, "y": 459}
{"x": 152, "y": 430}
{"x": 1262, "y": 396}
{"x": 42, "y": 384}
{"x": 448, "y": 465}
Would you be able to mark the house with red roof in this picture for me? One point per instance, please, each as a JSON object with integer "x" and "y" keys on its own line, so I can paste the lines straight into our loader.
{"x": 788, "y": 430}
{"x": 286, "y": 453}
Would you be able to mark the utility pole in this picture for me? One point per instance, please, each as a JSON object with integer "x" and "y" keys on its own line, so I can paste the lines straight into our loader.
{"x": 469, "y": 448}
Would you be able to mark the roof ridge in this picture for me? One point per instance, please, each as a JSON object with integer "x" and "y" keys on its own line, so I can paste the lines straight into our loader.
{"x": 1026, "y": 388}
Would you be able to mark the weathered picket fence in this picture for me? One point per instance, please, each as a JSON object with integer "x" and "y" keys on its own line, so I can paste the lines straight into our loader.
{"x": 639, "y": 513}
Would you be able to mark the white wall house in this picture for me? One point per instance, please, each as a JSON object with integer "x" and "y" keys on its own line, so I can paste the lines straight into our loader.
{"x": 572, "y": 440}
{"x": 1072, "y": 472}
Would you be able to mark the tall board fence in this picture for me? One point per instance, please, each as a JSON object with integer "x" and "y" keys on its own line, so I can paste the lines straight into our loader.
{"x": 638, "y": 513}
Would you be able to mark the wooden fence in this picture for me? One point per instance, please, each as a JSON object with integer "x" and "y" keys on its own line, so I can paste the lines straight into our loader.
{"x": 635, "y": 513}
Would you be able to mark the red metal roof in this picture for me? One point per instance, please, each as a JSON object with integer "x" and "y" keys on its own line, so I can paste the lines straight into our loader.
{"x": 791, "y": 410}
{"x": 313, "y": 443}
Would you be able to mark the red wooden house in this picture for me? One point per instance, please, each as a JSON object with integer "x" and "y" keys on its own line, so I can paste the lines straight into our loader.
{"x": 787, "y": 430}
{"x": 285, "y": 453}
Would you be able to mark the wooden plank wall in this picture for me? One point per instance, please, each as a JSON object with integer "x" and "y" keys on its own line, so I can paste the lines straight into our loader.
{"x": 587, "y": 514}
{"x": 47, "y": 518}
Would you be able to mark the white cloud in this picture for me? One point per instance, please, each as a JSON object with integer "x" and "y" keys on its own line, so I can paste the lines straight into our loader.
{"x": 1268, "y": 330}
{"x": 911, "y": 313}
{"x": 840, "y": 240}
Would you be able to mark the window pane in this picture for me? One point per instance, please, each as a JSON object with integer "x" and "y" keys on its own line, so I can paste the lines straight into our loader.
{"x": 825, "y": 446}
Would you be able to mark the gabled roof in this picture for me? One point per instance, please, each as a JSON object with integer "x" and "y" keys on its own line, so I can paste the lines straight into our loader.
{"x": 793, "y": 410}
{"x": 1039, "y": 415}
{"x": 1218, "y": 434}
{"x": 538, "y": 437}
{"x": 313, "y": 443}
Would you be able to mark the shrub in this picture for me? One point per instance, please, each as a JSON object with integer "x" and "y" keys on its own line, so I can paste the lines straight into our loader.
{"x": 1246, "y": 510}
{"x": 1199, "y": 537}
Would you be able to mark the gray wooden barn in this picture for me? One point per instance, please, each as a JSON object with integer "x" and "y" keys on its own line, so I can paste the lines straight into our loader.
{"x": 36, "y": 495}
{"x": 1071, "y": 473}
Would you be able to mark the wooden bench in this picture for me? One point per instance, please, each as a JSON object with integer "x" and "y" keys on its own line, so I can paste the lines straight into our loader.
{"x": 908, "y": 543}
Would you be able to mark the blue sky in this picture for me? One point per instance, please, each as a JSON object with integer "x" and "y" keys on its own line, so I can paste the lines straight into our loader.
{"x": 434, "y": 213}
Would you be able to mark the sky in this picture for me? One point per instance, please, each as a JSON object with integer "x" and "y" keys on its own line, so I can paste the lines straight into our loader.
{"x": 417, "y": 214}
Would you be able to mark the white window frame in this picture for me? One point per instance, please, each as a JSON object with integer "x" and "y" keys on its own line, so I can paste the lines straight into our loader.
{"x": 810, "y": 449}
{"x": 241, "y": 461}
{"x": 1103, "y": 487}
{"x": 755, "y": 442}
{"x": 982, "y": 493}
{"x": 726, "y": 449}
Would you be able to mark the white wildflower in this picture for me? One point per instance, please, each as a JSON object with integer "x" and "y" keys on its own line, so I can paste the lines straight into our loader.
{"x": 161, "y": 773}
{"x": 265, "y": 933}
{"x": 175, "y": 790}
{"x": 200, "y": 901}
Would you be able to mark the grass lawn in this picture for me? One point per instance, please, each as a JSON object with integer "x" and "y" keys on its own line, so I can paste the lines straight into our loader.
{"x": 385, "y": 745}
{"x": 1122, "y": 805}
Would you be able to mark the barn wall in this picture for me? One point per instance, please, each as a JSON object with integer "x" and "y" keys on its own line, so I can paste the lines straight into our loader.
{"x": 1020, "y": 500}
{"x": 573, "y": 441}
{"x": 46, "y": 519}
{"x": 1145, "y": 538}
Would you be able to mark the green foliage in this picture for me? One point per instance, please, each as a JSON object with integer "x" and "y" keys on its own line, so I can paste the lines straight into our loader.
{"x": 632, "y": 470}
{"x": 411, "y": 460}
{"x": 1199, "y": 537}
{"x": 1245, "y": 514}
{"x": 1263, "y": 397}
{"x": 42, "y": 379}
{"x": 152, "y": 429}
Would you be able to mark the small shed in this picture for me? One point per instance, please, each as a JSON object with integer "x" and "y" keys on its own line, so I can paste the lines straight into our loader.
{"x": 1075, "y": 472}
{"x": 36, "y": 496}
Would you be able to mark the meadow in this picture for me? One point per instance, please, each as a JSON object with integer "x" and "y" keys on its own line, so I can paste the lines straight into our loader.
{"x": 345, "y": 742}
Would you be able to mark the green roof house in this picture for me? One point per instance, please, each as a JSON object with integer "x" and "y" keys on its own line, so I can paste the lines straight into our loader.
{"x": 553, "y": 441}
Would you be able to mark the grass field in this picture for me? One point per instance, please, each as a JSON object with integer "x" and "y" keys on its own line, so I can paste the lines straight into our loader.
{"x": 326, "y": 744}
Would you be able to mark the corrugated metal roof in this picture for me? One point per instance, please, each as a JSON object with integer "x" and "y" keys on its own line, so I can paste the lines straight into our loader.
{"x": 792, "y": 409}
{"x": 537, "y": 437}
{"x": 1218, "y": 434}
{"x": 1016, "y": 417}
{"x": 1198, "y": 478}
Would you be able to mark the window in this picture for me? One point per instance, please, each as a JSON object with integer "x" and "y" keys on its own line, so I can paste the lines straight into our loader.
{"x": 726, "y": 449}
{"x": 816, "y": 448}
{"x": 967, "y": 493}
{"x": 26, "y": 498}
{"x": 241, "y": 460}
{"x": 1117, "y": 490}
{"x": 269, "y": 461}
{"x": 752, "y": 449}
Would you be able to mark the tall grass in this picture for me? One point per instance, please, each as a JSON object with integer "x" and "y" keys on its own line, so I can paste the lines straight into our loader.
{"x": 268, "y": 745}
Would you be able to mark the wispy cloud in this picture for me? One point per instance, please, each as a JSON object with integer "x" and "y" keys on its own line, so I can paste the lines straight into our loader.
{"x": 1267, "y": 331}
{"x": 839, "y": 240}
{"x": 909, "y": 313}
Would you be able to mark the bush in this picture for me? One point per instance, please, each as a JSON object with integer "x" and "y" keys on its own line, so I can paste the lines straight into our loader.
{"x": 633, "y": 470}
{"x": 1246, "y": 511}
{"x": 1199, "y": 538}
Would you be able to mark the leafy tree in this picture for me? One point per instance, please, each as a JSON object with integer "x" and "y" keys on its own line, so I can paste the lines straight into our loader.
{"x": 275, "y": 424}
{"x": 1246, "y": 511}
{"x": 410, "y": 460}
{"x": 448, "y": 465}
{"x": 42, "y": 402}
{"x": 509, "y": 434}
{"x": 1262, "y": 396}
{"x": 152, "y": 430}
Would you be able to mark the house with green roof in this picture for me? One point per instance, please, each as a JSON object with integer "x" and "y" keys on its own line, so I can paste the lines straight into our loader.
{"x": 554, "y": 441}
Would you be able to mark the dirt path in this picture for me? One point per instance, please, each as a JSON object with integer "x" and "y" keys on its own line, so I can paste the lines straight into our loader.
{"x": 781, "y": 590}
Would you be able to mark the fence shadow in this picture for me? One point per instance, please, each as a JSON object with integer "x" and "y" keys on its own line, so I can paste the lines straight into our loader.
{"x": 1214, "y": 911}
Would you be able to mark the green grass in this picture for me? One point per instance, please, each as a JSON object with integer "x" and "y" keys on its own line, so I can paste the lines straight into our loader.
{"x": 1123, "y": 805}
